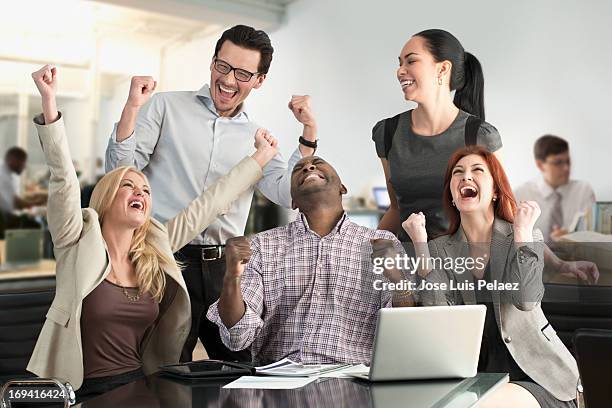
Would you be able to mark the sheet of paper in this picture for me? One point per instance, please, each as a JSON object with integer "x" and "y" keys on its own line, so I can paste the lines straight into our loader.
{"x": 282, "y": 363}
{"x": 578, "y": 217}
{"x": 347, "y": 372}
{"x": 286, "y": 367}
{"x": 270, "y": 383}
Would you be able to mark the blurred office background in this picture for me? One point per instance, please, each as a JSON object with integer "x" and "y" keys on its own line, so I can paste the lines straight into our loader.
{"x": 545, "y": 67}
{"x": 544, "y": 63}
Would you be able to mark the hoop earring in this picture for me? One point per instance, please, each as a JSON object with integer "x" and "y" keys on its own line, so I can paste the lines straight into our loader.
{"x": 453, "y": 203}
{"x": 440, "y": 81}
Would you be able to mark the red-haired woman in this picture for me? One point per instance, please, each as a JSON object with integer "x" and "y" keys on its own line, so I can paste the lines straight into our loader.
{"x": 486, "y": 223}
{"x": 414, "y": 146}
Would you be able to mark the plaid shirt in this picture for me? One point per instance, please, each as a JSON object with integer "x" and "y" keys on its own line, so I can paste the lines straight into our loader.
{"x": 309, "y": 298}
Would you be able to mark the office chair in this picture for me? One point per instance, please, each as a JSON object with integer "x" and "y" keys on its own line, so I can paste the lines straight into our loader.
{"x": 21, "y": 318}
{"x": 594, "y": 356}
{"x": 570, "y": 308}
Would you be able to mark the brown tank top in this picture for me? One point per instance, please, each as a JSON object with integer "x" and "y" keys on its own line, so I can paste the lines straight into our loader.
{"x": 112, "y": 329}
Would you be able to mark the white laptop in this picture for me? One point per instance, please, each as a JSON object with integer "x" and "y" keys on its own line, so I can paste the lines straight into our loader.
{"x": 424, "y": 343}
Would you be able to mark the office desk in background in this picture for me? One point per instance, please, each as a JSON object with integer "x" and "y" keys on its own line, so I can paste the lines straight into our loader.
{"x": 157, "y": 391}
{"x": 35, "y": 277}
{"x": 42, "y": 269}
{"x": 583, "y": 246}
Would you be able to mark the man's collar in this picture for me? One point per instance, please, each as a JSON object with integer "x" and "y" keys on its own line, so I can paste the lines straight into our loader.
{"x": 303, "y": 226}
{"x": 547, "y": 190}
{"x": 203, "y": 94}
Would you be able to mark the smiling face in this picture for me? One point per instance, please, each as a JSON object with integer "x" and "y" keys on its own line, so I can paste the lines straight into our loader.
{"x": 472, "y": 186}
{"x": 132, "y": 203}
{"x": 314, "y": 175}
{"x": 419, "y": 73}
{"x": 226, "y": 91}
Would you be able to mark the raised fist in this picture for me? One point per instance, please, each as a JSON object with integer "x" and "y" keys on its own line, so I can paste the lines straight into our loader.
{"x": 141, "y": 89}
{"x": 527, "y": 213}
{"x": 265, "y": 140}
{"x": 415, "y": 227}
{"x": 237, "y": 255}
{"x": 301, "y": 107}
{"x": 46, "y": 81}
{"x": 385, "y": 248}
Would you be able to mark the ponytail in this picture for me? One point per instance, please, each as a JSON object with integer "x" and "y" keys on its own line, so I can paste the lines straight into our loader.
{"x": 470, "y": 97}
{"x": 466, "y": 73}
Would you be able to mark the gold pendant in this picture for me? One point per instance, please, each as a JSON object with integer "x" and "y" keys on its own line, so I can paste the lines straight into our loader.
{"x": 131, "y": 298}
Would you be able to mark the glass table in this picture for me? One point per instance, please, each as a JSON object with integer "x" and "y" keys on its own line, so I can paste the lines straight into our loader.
{"x": 158, "y": 391}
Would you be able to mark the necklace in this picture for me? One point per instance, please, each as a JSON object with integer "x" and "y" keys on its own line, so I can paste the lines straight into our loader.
{"x": 126, "y": 293}
{"x": 130, "y": 297}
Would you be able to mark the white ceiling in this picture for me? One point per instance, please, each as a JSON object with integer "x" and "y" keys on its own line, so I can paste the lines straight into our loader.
{"x": 262, "y": 14}
{"x": 33, "y": 30}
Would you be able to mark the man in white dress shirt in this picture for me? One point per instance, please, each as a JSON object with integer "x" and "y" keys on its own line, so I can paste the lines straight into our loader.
{"x": 559, "y": 197}
{"x": 185, "y": 141}
{"x": 11, "y": 168}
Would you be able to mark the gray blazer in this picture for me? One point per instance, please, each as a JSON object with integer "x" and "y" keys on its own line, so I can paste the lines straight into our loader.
{"x": 530, "y": 339}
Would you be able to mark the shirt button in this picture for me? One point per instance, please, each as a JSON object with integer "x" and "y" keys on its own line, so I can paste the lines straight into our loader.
{"x": 507, "y": 339}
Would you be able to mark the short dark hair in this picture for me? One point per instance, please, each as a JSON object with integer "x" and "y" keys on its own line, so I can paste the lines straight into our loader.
{"x": 16, "y": 153}
{"x": 249, "y": 38}
{"x": 548, "y": 145}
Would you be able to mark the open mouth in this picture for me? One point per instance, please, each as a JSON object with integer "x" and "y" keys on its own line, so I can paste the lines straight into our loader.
{"x": 468, "y": 192}
{"x": 406, "y": 83}
{"x": 312, "y": 177}
{"x": 137, "y": 205}
{"x": 226, "y": 92}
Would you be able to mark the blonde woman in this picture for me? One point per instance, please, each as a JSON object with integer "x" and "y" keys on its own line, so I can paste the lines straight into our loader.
{"x": 121, "y": 307}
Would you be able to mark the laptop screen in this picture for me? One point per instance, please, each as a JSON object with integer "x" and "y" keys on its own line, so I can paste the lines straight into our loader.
{"x": 381, "y": 196}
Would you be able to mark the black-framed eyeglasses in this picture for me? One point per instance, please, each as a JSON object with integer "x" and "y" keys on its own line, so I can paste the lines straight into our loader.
{"x": 240, "y": 74}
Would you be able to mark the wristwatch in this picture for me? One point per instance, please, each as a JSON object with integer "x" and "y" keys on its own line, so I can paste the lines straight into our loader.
{"x": 308, "y": 143}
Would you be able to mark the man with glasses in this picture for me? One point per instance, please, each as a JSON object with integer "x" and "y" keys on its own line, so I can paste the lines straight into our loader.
{"x": 559, "y": 197}
{"x": 184, "y": 141}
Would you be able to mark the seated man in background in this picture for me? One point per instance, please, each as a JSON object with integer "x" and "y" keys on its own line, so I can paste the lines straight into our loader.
{"x": 559, "y": 197}
{"x": 14, "y": 164}
{"x": 307, "y": 292}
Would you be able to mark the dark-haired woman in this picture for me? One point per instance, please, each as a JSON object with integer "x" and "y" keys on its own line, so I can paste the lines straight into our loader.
{"x": 414, "y": 147}
{"x": 487, "y": 225}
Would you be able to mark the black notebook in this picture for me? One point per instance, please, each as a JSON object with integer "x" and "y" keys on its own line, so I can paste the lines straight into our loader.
{"x": 204, "y": 369}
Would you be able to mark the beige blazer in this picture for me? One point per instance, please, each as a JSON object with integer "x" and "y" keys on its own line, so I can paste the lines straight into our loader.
{"x": 530, "y": 339}
{"x": 83, "y": 262}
